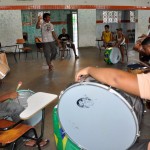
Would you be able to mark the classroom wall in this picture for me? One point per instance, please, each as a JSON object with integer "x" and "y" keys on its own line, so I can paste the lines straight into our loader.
{"x": 29, "y": 20}
{"x": 90, "y": 33}
{"x": 87, "y": 27}
{"x": 10, "y": 26}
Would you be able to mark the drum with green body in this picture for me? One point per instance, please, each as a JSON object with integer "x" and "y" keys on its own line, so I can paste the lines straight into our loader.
{"x": 112, "y": 55}
{"x": 61, "y": 139}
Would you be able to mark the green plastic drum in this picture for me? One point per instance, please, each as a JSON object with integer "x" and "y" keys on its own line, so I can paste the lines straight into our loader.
{"x": 112, "y": 55}
{"x": 107, "y": 56}
{"x": 61, "y": 139}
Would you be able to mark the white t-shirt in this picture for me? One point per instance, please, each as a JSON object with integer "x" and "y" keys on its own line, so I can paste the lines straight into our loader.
{"x": 47, "y": 29}
{"x": 144, "y": 85}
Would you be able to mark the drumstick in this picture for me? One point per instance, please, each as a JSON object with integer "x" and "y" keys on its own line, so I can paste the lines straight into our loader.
{"x": 19, "y": 85}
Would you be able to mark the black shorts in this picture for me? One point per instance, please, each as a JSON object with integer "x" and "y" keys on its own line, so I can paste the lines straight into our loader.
{"x": 140, "y": 145}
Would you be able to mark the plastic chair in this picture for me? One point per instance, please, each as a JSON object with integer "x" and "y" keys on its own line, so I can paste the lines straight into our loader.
{"x": 10, "y": 132}
{"x": 22, "y": 47}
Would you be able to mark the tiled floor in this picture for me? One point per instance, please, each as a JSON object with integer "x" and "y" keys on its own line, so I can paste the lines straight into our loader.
{"x": 35, "y": 76}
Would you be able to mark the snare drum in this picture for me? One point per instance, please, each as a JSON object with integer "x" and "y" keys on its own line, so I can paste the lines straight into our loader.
{"x": 95, "y": 117}
{"x": 112, "y": 55}
{"x": 136, "y": 68}
{"x": 23, "y": 95}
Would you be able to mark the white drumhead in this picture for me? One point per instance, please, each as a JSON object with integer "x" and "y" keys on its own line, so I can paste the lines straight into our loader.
{"x": 115, "y": 55}
{"x": 105, "y": 122}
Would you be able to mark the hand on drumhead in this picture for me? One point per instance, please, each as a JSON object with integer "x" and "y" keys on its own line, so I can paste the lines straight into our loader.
{"x": 81, "y": 75}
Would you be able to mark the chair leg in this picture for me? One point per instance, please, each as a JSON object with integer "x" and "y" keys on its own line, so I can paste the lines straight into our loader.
{"x": 42, "y": 123}
{"x": 19, "y": 53}
{"x": 13, "y": 146}
{"x": 15, "y": 58}
{"x": 37, "y": 139}
{"x": 37, "y": 53}
{"x": 32, "y": 54}
{"x": 26, "y": 55}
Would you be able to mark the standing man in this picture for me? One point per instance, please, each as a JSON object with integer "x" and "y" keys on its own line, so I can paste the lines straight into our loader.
{"x": 48, "y": 38}
{"x": 64, "y": 37}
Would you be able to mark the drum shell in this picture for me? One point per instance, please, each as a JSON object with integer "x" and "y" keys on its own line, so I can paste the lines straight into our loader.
{"x": 112, "y": 55}
{"x": 136, "y": 68}
{"x": 129, "y": 102}
{"x": 136, "y": 103}
{"x": 61, "y": 139}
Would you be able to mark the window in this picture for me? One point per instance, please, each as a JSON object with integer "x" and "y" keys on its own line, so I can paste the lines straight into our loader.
{"x": 132, "y": 16}
{"x": 111, "y": 16}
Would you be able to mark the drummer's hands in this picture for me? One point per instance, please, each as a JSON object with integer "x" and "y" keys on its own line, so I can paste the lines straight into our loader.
{"x": 13, "y": 95}
{"x": 82, "y": 75}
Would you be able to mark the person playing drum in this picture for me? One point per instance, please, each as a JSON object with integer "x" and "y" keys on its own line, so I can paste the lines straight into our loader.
{"x": 136, "y": 84}
{"x": 13, "y": 109}
{"x": 120, "y": 42}
{"x": 8, "y": 108}
{"x": 106, "y": 36}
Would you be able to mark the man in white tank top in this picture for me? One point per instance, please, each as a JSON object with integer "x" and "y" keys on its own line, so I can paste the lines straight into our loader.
{"x": 120, "y": 42}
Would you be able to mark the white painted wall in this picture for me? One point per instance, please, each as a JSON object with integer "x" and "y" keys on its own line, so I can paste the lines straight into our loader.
{"x": 76, "y": 2}
{"x": 10, "y": 26}
{"x": 143, "y": 22}
{"x": 87, "y": 27}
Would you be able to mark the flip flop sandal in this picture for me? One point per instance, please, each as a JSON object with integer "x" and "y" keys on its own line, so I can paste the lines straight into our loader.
{"x": 43, "y": 143}
{"x": 30, "y": 143}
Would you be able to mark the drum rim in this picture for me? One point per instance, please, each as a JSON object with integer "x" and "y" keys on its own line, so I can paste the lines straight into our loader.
{"x": 23, "y": 90}
{"x": 110, "y": 89}
{"x": 130, "y": 66}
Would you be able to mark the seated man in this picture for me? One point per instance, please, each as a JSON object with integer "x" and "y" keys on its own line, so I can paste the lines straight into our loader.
{"x": 120, "y": 42}
{"x": 65, "y": 37}
{"x": 13, "y": 109}
{"x": 106, "y": 36}
{"x": 147, "y": 34}
{"x": 135, "y": 84}
{"x": 10, "y": 108}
